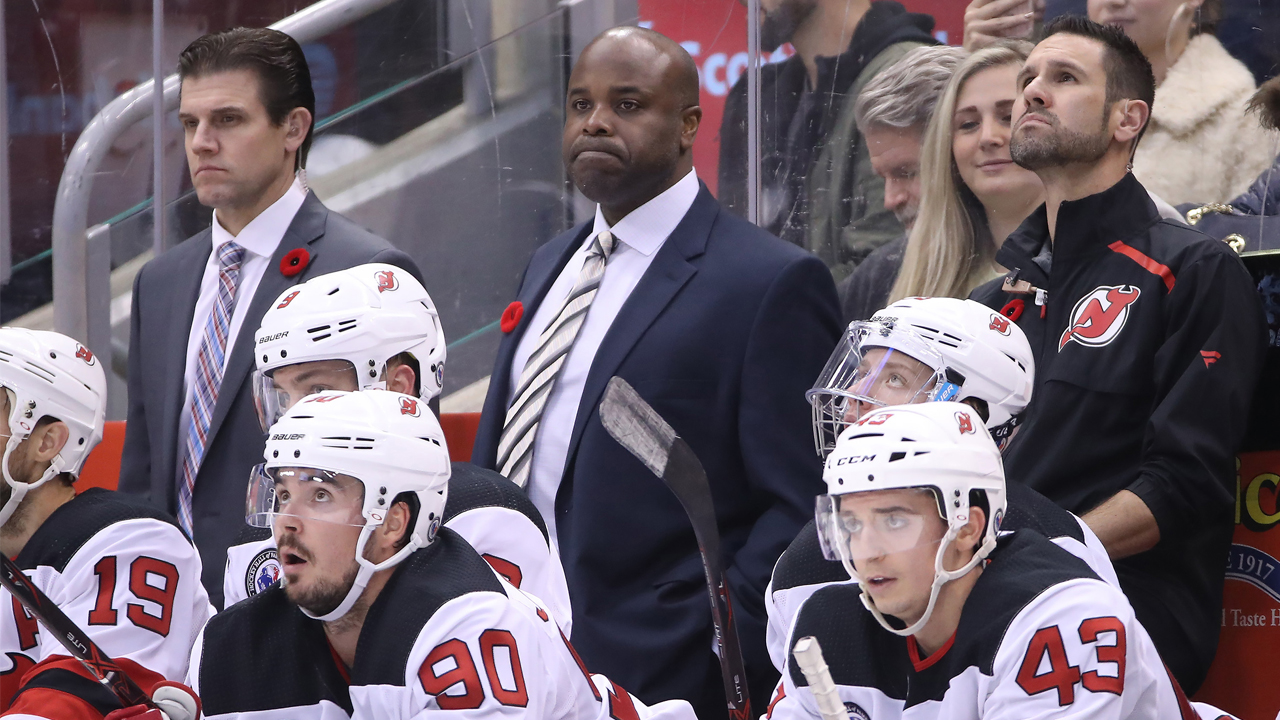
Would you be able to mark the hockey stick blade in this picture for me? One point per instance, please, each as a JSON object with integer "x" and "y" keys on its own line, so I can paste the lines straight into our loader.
{"x": 808, "y": 654}
{"x": 642, "y": 431}
{"x": 76, "y": 642}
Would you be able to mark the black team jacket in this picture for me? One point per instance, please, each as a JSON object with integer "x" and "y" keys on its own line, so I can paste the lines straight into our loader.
{"x": 1148, "y": 346}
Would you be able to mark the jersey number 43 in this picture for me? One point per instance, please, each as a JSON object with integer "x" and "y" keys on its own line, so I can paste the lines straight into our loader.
{"x": 1061, "y": 675}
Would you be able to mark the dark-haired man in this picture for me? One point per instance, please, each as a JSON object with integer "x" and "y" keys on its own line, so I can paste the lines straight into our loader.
{"x": 247, "y": 110}
{"x": 818, "y": 186}
{"x": 720, "y": 326}
{"x": 1148, "y": 340}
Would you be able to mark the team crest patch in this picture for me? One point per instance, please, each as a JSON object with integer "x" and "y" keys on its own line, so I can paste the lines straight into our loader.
{"x": 263, "y": 572}
{"x": 1099, "y": 316}
{"x": 1000, "y": 324}
{"x": 83, "y": 353}
{"x": 387, "y": 280}
{"x": 855, "y": 711}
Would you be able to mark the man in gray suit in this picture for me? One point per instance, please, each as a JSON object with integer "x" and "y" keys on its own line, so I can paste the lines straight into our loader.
{"x": 193, "y": 435}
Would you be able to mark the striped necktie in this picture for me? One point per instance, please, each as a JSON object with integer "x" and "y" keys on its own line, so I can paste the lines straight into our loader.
{"x": 515, "y": 448}
{"x": 210, "y": 363}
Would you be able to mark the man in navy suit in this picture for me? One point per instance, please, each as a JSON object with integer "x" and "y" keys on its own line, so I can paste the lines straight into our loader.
{"x": 720, "y": 326}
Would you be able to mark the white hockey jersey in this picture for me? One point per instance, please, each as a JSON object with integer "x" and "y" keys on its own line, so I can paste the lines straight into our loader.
{"x": 445, "y": 634}
{"x": 802, "y": 570}
{"x": 1040, "y": 637}
{"x": 490, "y": 512}
{"x": 129, "y": 578}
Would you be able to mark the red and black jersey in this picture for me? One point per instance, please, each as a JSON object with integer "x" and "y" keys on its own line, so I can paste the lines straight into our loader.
{"x": 128, "y": 576}
{"x": 1148, "y": 339}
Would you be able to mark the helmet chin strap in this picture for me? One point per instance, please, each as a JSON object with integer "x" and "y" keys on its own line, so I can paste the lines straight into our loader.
{"x": 367, "y": 569}
{"x": 941, "y": 577}
{"x": 20, "y": 489}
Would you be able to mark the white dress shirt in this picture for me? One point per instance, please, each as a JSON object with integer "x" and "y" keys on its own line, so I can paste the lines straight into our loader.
{"x": 259, "y": 238}
{"x": 639, "y": 236}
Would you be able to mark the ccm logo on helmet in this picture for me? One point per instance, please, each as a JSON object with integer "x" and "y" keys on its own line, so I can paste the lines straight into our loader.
{"x": 287, "y": 299}
{"x": 83, "y": 353}
{"x": 966, "y": 422}
{"x": 1100, "y": 316}
{"x": 409, "y": 406}
{"x": 854, "y": 459}
{"x": 387, "y": 281}
{"x": 1000, "y": 324}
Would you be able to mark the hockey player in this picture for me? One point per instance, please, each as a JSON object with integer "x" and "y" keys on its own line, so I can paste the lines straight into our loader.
{"x": 383, "y": 613}
{"x": 951, "y": 618}
{"x": 119, "y": 569}
{"x": 916, "y": 350}
{"x": 374, "y": 326}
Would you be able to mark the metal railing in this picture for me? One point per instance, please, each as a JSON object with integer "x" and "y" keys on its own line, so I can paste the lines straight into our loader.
{"x": 82, "y": 256}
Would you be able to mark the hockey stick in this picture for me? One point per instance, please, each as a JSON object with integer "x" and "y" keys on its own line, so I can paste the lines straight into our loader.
{"x": 71, "y": 636}
{"x": 639, "y": 429}
{"x": 808, "y": 655}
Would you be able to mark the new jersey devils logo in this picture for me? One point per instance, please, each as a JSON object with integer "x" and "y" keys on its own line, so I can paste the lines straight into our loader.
{"x": 1000, "y": 324}
{"x": 1100, "y": 316}
{"x": 409, "y": 406}
{"x": 387, "y": 281}
{"x": 83, "y": 353}
{"x": 287, "y": 299}
{"x": 966, "y": 422}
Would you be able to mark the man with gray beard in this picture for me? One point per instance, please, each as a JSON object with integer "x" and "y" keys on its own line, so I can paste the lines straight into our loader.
{"x": 1148, "y": 339}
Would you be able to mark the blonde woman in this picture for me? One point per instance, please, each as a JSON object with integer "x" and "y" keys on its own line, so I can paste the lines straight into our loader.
{"x": 972, "y": 194}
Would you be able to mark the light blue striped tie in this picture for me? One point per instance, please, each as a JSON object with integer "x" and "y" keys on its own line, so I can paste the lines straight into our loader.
{"x": 210, "y": 363}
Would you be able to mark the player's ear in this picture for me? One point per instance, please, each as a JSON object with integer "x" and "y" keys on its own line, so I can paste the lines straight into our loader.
{"x": 393, "y": 534}
{"x": 400, "y": 377}
{"x": 970, "y": 536}
{"x": 48, "y": 439}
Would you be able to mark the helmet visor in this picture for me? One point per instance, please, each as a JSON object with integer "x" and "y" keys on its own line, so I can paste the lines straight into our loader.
{"x": 275, "y": 391}
{"x": 874, "y": 365}
{"x": 303, "y": 493}
{"x": 852, "y": 528}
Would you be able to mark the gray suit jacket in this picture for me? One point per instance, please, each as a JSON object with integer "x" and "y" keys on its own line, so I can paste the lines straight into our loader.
{"x": 164, "y": 300}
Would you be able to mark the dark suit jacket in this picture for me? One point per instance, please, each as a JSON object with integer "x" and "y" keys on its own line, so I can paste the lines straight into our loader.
{"x": 164, "y": 300}
{"x": 723, "y": 335}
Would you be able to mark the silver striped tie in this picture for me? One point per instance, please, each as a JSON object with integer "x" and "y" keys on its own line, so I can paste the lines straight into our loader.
{"x": 515, "y": 448}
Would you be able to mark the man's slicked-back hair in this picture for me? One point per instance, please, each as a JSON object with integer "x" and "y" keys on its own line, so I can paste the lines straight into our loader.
{"x": 1129, "y": 75}
{"x": 904, "y": 95}
{"x": 284, "y": 79}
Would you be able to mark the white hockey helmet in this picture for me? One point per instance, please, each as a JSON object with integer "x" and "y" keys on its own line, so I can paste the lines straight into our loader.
{"x": 364, "y": 316}
{"x": 48, "y": 374}
{"x": 388, "y": 442}
{"x": 941, "y": 447}
{"x": 984, "y": 356}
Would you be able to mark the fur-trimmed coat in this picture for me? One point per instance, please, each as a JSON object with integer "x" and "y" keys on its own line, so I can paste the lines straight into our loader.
{"x": 1201, "y": 146}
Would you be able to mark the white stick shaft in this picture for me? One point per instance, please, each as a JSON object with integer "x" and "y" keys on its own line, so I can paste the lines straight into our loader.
{"x": 808, "y": 654}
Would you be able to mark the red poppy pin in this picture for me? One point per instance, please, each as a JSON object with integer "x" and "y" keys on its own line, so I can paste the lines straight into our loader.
{"x": 1013, "y": 309}
{"x": 294, "y": 262}
{"x": 511, "y": 316}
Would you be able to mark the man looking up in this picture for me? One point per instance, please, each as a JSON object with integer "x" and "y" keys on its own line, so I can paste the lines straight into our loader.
{"x": 720, "y": 326}
{"x": 1148, "y": 339}
{"x": 817, "y": 186}
{"x": 949, "y": 616}
{"x": 247, "y": 111}
{"x": 375, "y": 327}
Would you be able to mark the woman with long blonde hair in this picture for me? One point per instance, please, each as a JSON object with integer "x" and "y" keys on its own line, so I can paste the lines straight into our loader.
{"x": 972, "y": 194}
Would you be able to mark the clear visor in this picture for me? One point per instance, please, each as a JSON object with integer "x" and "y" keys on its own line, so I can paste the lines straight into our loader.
{"x": 875, "y": 365}
{"x": 853, "y": 529}
{"x": 303, "y": 493}
{"x": 275, "y": 391}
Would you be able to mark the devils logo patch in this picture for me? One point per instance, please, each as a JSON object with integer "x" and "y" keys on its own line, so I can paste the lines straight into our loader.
{"x": 1099, "y": 316}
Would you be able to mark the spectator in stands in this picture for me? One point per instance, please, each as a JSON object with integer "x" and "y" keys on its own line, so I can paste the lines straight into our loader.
{"x": 1148, "y": 338}
{"x": 1200, "y": 145}
{"x": 818, "y": 189}
{"x": 893, "y": 111}
{"x": 989, "y": 21}
{"x": 247, "y": 109}
{"x": 972, "y": 194}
